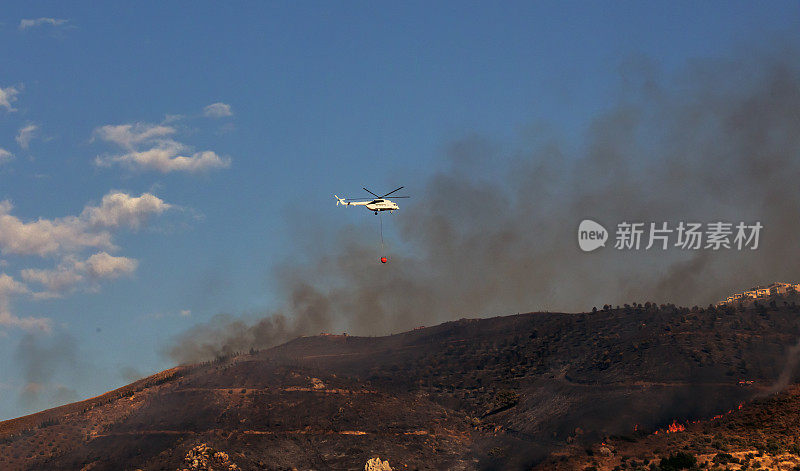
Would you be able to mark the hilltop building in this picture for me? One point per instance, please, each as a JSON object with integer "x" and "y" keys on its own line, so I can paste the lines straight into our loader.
{"x": 760, "y": 292}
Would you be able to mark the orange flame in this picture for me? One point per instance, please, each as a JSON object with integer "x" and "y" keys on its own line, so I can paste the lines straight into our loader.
{"x": 739, "y": 407}
{"x": 675, "y": 427}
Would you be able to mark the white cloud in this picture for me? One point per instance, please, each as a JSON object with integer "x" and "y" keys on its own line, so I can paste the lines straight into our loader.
{"x": 68, "y": 234}
{"x": 26, "y": 134}
{"x": 56, "y": 280}
{"x": 149, "y": 148}
{"x": 167, "y": 158}
{"x": 7, "y": 96}
{"x": 44, "y": 236}
{"x": 103, "y": 265}
{"x": 34, "y": 22}
{"x": 172, "y": 118}
{"x": 217, "y": 110}
{"x": 128, "y": 135}
{"x": 5, "y": 156}
{"x": 72, "y": 272}
{"x": 120, "y": 209}
{"x": 9, "y": 287}
{"x": 26, "y": 323}
{"x": 67, "y": 239}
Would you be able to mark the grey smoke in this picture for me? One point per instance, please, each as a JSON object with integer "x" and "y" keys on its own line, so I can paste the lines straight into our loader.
{"x": 495, "y": 232}
{"x": 45, "y": 362}
{"x": 789, "y": 369}
{"x": 130, "y": 374}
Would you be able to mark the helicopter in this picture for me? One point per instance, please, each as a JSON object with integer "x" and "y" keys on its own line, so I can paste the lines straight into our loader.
{"x": 376, "y": 205}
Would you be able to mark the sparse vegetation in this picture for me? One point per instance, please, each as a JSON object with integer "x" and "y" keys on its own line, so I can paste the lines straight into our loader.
{"x": 506, "y": 382}
{"x": 678, "y": 461}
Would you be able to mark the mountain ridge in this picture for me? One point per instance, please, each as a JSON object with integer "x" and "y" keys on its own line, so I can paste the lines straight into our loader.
{"x": 506, "y": 391}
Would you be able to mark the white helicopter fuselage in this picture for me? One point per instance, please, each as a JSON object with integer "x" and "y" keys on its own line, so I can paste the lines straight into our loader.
{"x": 376, "y": 205}
{"x": 381, "y": 205}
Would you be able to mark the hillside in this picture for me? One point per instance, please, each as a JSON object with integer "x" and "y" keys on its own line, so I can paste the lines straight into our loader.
{"x": 505, "y": 392}
{"x": 763, "y": 434}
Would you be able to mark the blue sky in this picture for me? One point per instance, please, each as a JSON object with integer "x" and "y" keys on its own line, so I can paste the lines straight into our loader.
{"x": 151, "y": 151}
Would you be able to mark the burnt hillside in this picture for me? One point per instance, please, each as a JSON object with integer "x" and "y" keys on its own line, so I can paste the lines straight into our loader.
{"x": 762, "y": 434}
{"x": 468, "y": 394}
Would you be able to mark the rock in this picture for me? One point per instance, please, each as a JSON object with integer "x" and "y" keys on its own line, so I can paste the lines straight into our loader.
{"x": 375, "y": 464}
{"x": 317, "y": 383}
{"x": 204, "y": 458}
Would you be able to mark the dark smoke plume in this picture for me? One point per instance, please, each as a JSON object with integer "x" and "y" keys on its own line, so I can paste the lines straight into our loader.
{"x": 45, "y": 361}
{"x": 718, "y": 142}
{"x": 788, "y": 373}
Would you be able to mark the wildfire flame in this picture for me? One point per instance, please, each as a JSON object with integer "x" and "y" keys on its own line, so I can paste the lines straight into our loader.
{"x": 675, "y": 427}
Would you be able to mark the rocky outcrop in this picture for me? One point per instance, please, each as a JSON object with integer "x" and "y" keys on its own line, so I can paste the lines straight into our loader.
{"x": 375, "y": 464}
{"x": 204, "y": 458}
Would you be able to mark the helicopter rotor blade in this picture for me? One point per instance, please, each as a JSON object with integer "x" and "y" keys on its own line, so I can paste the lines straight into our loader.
{"x": 371, "y": 193}
{"x": 387, "y": 194}
{"x": 396, "y": 197}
